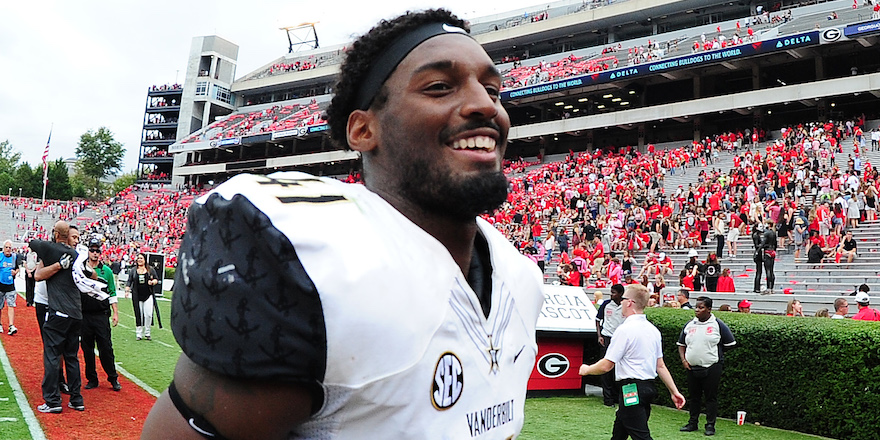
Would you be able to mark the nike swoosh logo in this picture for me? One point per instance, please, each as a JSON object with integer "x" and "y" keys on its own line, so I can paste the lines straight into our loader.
{"x": 519, "y": 353}
{"x": 453, "y": 29}
{"x": 192, "y": 424}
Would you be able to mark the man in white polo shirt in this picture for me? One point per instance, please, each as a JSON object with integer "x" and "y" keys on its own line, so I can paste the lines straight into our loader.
{"x": 636, "y": 355}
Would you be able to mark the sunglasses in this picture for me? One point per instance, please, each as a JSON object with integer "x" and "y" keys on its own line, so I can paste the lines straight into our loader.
{"x": 95, "y": 250}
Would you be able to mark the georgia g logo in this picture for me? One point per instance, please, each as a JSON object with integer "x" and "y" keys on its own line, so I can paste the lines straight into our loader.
{"x": 448, "y": 382}
{"x": 553, "y": 365}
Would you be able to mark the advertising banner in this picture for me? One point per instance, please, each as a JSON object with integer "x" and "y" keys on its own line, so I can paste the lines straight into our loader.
{"x": 666, "y": 65}
{"x": 567, "y": 309}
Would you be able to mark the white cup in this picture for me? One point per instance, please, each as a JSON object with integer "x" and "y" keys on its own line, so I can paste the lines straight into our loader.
{"x": 740, "y": 417}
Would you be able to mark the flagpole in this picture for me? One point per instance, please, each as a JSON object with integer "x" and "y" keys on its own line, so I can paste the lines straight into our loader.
{"x": 46, "y": 163}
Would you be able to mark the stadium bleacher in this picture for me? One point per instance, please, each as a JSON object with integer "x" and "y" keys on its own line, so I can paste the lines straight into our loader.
{"x": 265, "y": 120}
{"x": 816, "y": 285}
{"x": 537, "y": 14}
{"x": 726, "y": 34}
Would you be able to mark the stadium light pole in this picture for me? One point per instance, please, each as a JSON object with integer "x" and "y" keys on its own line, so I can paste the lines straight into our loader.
{"x": 19, "y": 193}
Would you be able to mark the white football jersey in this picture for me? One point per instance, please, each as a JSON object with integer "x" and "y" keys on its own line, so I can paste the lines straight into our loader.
{"x": 408, "y": 350}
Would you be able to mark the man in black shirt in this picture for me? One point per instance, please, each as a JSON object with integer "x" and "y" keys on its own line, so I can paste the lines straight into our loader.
{"x": 695, "y": 268}
{"x": 848, "y": 247}
{"x": 590, "y": 230}
{"x": 768, "y": 245}
{"x": 63, "y": 319}
{"x": 95, "y": 327}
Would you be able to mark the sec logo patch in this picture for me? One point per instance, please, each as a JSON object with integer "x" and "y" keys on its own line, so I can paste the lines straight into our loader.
{"x": 448, "y": 381}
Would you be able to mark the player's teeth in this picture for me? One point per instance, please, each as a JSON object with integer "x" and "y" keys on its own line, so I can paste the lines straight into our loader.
{"x": 476, "y": 142}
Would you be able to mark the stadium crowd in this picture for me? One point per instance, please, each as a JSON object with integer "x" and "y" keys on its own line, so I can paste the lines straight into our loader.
{"x": 157, "y": 102}
{"x": 613, "y": 202}
{"x": 166, "y": 87}
{"x": 296, "y": 66}
{"x": 142, "y": 220}
{"x": 611, "y": 57}
{"x": 155, "y": 176}
{"x": 275, "y": 118}
{"x": 26, "y": 213}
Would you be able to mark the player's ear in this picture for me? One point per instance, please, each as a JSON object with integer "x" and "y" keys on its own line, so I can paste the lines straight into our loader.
{"x": 362, "y": 130}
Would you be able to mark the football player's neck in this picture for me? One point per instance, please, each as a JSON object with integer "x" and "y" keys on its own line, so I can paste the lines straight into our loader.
{"x": 456, "y": 235}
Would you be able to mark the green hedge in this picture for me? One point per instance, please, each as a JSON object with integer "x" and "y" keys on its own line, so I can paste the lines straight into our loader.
{"x": 169, "y": 273}
{"x": 813, "y": 375}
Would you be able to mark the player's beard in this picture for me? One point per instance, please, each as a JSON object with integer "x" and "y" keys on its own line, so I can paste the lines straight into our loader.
{"x": 440, "y": 192}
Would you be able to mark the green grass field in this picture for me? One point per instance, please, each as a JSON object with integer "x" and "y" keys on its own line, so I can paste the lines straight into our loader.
{"x": 558, "y": 418}
{"x": 570, "y": 418}
{"x": 12, "y": 424}
{"x": 152, "y": 362}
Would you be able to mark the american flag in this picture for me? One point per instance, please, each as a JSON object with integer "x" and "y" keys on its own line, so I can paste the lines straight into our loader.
{"x": 46, "y": 158}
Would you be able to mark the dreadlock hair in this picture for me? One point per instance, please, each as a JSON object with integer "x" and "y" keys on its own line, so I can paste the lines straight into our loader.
{"x": 359, "y": 57}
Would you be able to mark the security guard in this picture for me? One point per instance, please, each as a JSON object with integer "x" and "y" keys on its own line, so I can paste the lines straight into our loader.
{"x": 636, "y": 355}
{"x": 608, "y": 318}
{"x": 701, "y": 345}
{"x": 95, "y": 327}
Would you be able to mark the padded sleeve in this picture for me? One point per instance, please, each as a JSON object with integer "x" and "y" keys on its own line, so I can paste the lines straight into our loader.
{"x": 243, "y": 304}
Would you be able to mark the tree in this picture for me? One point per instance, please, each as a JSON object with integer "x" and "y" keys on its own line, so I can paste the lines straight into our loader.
{"x": 29, "y": 180}
{"x": 8, "y": 158}
{"x": 83, "y": 186}
{"x": 98, "y": 156}
{"x": 59, "y": 186}
{"x": 124, "y": 181}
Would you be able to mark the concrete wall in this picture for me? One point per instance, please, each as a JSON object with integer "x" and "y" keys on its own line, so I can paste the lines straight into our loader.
{"x": 745, "y": 100}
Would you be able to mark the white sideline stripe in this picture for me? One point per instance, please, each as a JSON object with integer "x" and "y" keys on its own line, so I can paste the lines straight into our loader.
{"x": 26, "y": 411}
{"x": 136, "y": 381}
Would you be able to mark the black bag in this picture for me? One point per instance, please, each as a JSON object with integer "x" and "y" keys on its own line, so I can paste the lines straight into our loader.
{"x": 759, "y": 255}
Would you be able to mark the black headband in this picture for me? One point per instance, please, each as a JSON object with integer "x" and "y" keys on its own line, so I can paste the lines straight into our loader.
{"x": 385, "y": 63}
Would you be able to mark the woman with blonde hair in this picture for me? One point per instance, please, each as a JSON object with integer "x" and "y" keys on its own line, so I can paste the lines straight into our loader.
{"x": 870, "y": 201}
{"x": 756, "y": 210}
{"x": 794, "y": 308}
